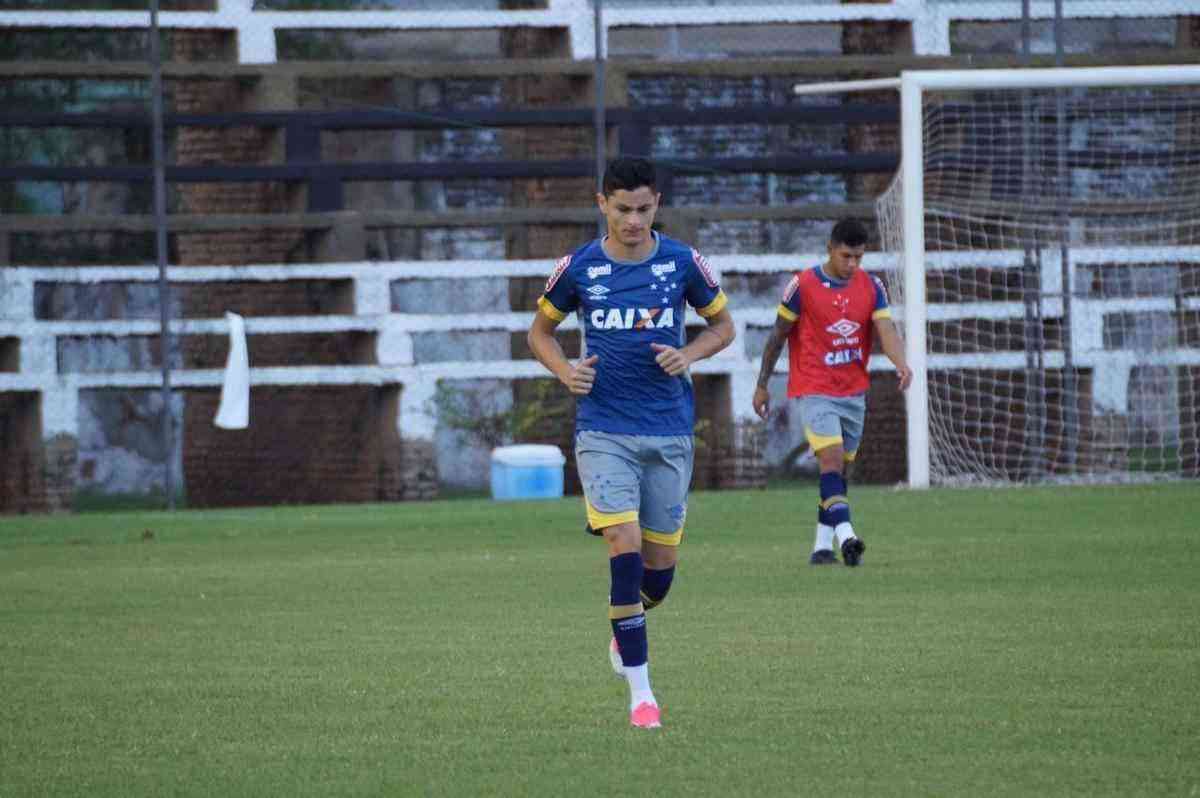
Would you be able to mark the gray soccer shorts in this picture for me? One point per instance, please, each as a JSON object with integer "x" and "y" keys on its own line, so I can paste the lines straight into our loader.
{"x": 834, "y": 419}
{"x": 641, "y": 478}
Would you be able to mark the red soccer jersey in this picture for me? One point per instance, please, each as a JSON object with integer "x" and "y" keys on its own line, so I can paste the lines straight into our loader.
{"x": 830, "y": 343}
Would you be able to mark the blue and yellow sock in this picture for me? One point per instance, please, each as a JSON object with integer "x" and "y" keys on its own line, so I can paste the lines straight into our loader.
{"x": 834, "y": 503}
{"x": 625, "y": 610}
{"x": 656, "y": 583}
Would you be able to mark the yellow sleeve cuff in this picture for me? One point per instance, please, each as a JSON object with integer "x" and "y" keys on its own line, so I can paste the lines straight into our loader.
{"x": 547, "y": 307}
{"x": 786, "y": 313}
{"x": 716, "y": 306}
{"x": 882, "y": 313}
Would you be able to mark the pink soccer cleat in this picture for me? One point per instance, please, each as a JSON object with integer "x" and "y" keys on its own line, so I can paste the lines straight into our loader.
{"x": 646, "y": 716}
{"x": 614, "y": 658}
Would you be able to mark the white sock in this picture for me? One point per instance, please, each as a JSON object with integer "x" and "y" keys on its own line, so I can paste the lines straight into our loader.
{"x": 824, "y": 538}
{"x": 844, "y": 531}
{"x": 639, "y": 685}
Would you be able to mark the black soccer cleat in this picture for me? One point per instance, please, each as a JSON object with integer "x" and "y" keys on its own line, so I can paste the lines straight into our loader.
{"x": 823, "y": 557}
{"x": 588, "y": 528}
{"x": 852, "y": 551}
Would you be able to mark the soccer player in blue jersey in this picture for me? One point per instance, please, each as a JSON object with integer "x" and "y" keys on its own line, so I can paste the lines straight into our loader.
{"x": 634, "y": 420}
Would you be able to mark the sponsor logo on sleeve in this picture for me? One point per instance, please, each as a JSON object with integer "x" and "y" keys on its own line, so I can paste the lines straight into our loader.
{"x": 706, "y": 271}
{"x": 792, "y": 286}
{"x": 882, "y": 289}
{"x": 560, "y": 266}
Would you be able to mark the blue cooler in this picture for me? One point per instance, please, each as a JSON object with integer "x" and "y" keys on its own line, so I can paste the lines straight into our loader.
{"x": 527, "y": 471}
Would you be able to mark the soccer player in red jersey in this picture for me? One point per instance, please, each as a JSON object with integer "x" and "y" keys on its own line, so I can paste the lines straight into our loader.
{"x": 828, "y": 317}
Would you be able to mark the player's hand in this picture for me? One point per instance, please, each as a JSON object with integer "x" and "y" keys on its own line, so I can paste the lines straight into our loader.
{"x": 582, "y": 376}
{"x": 671, "y": 360}
{"x": 905, "y": 375}
{"x": 762, "y": 402}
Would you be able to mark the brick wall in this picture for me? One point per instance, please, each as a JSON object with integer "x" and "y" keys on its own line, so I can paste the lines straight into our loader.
{"x": 265, "y": 298}
{"x": 61, "y": 455}
{"x": 883, "y": 454}
{"x": 10, "y": 354}
{"x": 873, "y": 38}
{"x": 303, "y": 445}
{"x": 22, "y": 486}
{"x": 294, "y": 349}
{"x": 546, "y": 143}
{"x": 233, "y": 145}
{"x": 545, "y": 241}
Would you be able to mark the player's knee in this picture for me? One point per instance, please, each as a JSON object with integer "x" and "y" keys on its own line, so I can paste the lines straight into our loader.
{"x": 623, "y": 538}
{"x": 831, "y": 458}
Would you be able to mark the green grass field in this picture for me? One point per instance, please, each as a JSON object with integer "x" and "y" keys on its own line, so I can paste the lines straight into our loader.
{"x": 1025, "y": 642}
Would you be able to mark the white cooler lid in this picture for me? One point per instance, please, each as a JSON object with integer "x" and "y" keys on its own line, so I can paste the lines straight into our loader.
{"x": 529, "y": 454}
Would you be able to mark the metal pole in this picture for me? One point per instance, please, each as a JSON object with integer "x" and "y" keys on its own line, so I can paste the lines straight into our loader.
{"x": 1070, "y": 421}
{"x": 598, "y": 110}
{"x": 1026, "y": 31}
{"x": 1031, "y": 277}
{"x": 160, "y": 240}
{"x": 916, "y": 312}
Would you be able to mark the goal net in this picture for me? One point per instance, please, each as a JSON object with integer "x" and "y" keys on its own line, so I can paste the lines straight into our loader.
{"x": 1050, "y": 254}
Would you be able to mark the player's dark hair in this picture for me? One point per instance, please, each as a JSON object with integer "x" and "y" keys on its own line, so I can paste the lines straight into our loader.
{"x": 849, "y": 232}
{"x": 628, "y": 174}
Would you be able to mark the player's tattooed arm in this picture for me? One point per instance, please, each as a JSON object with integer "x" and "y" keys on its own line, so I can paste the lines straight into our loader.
{"x": 771, "y": 352}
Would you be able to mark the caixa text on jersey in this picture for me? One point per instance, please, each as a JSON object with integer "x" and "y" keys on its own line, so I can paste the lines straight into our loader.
{"x": 633, "y": 318}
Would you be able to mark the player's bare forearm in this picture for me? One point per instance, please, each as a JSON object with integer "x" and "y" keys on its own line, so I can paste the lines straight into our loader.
{"x": 774, "y": 346}
{"x": 546, "y": 349}
{"x": 893, "y": 346}
{"x": 890, "y": 342}
{"x": 719, "y": 334}
{"x": 772, "y": 350}
{"x": 578, "y": 377}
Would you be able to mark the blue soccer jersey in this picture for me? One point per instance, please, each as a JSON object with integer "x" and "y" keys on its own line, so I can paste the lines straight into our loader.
{"x": 625, "y": 307}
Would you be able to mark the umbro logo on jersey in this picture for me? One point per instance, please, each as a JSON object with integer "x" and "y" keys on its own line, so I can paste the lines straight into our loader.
{"x": 659, "y": 269}
{"x": 843, "y": 327}
{"x": 598, "y": 291}
{"x": 599, "y": 271}
{"x": 633, "y": 318}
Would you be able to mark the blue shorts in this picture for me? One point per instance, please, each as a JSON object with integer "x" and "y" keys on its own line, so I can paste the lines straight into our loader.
{"x": 641, "y": 478}
{"x": 830, "y": 420}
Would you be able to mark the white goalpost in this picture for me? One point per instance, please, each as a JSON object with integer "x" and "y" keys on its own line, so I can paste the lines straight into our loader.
{"x": 1045, "y": 227}
{"x": 1042, "y": 249}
